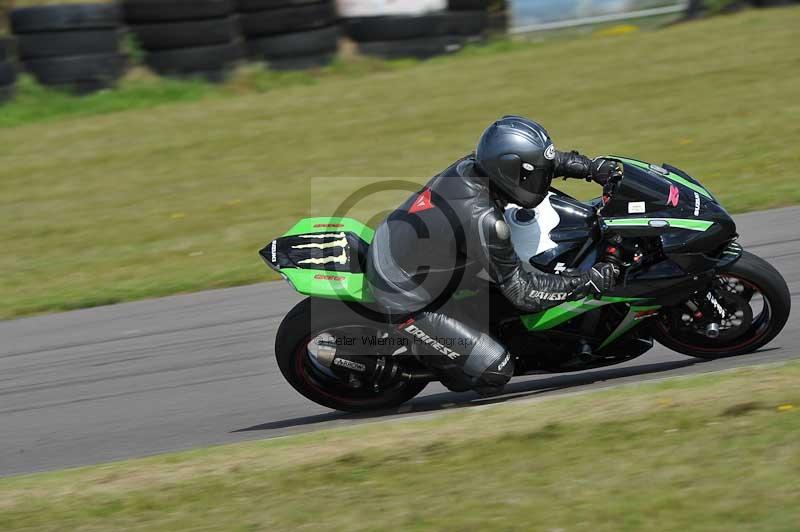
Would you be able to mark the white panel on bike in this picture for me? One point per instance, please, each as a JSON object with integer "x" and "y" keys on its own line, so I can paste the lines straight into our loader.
{"x": 532, "y": 237}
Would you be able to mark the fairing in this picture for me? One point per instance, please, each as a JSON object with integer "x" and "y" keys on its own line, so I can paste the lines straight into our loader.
{"x": 323, "y": 257}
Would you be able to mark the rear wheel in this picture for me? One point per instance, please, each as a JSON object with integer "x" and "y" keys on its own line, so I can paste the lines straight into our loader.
{"x": 746, "y": 307}
{"x": 305, "y": 340}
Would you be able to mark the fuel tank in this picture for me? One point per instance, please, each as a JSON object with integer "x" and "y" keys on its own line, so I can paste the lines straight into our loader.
{"x": 551, "y": 236}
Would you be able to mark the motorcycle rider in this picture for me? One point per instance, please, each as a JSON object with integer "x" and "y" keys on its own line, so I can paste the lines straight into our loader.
{"x": 455, "y": 228}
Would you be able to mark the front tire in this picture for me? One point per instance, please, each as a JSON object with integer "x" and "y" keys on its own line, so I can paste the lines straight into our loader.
{"x": 759, "y": 277}
{"x": 295, "y": 333}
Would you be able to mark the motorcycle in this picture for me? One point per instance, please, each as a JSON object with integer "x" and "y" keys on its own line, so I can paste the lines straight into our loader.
{"x": 684, "y": 282}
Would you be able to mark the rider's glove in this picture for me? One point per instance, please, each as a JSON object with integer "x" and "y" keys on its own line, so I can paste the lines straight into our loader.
{"x": 604, "y": 170}
{"x": 601, "y": 278}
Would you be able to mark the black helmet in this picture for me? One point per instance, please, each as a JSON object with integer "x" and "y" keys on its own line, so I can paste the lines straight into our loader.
{"x": 519, "y": 158}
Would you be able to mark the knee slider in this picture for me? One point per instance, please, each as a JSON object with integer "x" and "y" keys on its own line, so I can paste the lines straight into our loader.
{"x": 489, "y": 363}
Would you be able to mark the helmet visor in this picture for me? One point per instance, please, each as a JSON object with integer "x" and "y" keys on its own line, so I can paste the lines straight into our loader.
{"x": 536, "y": 180}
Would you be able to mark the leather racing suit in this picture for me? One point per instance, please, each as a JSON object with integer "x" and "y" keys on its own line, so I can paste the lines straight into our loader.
{"x": 454, "y": 229}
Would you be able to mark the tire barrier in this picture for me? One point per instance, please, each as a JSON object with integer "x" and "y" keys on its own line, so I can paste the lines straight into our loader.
{"x": 468, "y": 5}
{"x": 290, "y": 35}
{"x": 72, "y": 46}
{"x": 198, "y": 38}
{"x": 150, "y": 11}
{"x": 8, "y": 71}
{"x": 417, "y": 36}
{"x": 77, "y": 46}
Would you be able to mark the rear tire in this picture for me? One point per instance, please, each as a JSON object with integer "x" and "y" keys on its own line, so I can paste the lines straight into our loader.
{"x": 772, "y": 286}
{"x": 294, "y": 333}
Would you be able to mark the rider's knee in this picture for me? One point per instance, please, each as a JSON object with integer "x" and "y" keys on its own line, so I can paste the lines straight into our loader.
{"x": 490, "y": 365}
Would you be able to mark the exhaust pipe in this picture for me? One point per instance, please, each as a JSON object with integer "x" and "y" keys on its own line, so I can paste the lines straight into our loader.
{"x": 376, "y": 369}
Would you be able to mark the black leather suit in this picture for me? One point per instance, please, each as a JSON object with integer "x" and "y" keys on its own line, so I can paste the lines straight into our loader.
{"x": 454, "y": 229}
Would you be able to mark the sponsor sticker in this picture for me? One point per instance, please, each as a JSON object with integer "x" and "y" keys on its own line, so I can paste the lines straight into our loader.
{"x": 504, "y": 363}
{"x": 696, "y": 204}
{"x": 274, "y": 251}
{"x": 674, "y": 196}
{"x": 422, "y": 203}
{"x": 424, "y": 337}
{"x": 548, "y": 296}
{"x": 636, "y": 207}
{"x": 328, "y": 225}
{"x": 323, "y": 277}
{"x": 349, "y": 364}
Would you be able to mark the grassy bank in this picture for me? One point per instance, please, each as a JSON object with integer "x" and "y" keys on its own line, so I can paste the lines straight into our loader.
{"x": 710, "y": 453}
{"x": 147, "y": 202}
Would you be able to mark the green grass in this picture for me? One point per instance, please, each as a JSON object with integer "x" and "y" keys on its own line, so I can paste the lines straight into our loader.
{"x": 139, "y": 203}
{"x": 682, "y": 454}
{"x": 141, "y": 90}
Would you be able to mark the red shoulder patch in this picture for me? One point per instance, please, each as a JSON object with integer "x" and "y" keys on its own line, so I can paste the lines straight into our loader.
{"x": 422, "y": 203}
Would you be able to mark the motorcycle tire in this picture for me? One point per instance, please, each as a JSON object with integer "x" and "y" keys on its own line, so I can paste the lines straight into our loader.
{"x": 298, "y": 328}
{"x": 759, "y": 273}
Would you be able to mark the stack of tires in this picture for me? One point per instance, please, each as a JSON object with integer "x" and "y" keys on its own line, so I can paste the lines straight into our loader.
{"x": 186, "y": 38}
{"x": 73, "y": 46}
{"x": 421, "y": 35}
{"x": 8, "y": 71}
{"x": 290, "y": 34}
{"x": 468, "y": 20}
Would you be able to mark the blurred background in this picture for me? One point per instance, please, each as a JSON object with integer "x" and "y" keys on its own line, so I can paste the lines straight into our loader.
{"x": 149, "y": 148}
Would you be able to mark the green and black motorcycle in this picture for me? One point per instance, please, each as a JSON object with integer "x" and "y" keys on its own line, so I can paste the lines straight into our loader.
{"x": 684, "y": 282}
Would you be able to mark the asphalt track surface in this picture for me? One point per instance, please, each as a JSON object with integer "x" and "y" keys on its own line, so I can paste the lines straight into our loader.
{"x": 130, "y": 380}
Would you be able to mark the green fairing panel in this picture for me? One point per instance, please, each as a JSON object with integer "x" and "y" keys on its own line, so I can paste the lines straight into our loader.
{"x": 677, "y": 223}
{"x": 629, "y": 322}
{"x": 564, "y": 312}
{"x": 330, "y": 284}
{"x": 671, "y": 176}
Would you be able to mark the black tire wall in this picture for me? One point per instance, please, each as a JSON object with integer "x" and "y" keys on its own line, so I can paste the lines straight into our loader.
{"x": 290, "y": 34}
{"x": 72, "y": 46}
{"x": 197, "y": 38}
{"x": 419, "y": 36}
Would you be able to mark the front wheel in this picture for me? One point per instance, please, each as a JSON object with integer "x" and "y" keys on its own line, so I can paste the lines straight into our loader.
{"x": 745, "y": 308}
{"x": 305, "y": 339}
